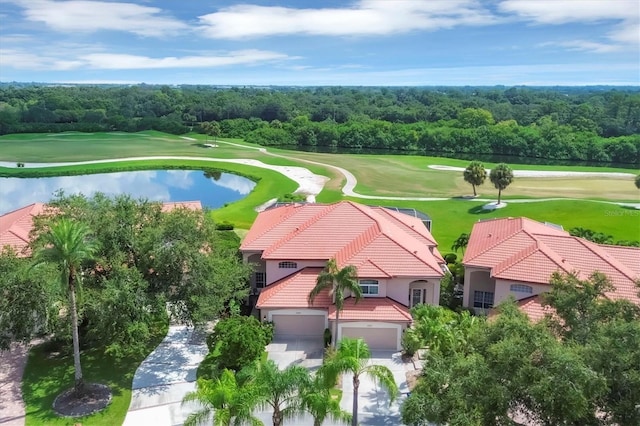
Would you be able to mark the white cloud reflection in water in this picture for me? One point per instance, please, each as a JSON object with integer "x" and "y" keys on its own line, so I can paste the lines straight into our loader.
{"x": 169, "y": 185}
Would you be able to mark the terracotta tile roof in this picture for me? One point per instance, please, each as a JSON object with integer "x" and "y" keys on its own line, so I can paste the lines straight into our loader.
{"x": 532, "y": 306}
{"x": 372, "y": 309}
{"x": 16, "y": 225}
{"x": 190, "y": 205}
{"x": 293, "y": 292}
{"x": 383, "y": 243}
{"x": 528, "y": 251}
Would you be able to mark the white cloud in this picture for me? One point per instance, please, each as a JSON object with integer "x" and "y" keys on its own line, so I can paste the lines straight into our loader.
{"x": 91, "y": 16}
{"x": 562, "y": 11}
{"x": 624, "y": 13}
{"x": 20, "y": 59}
{"x": 364, "y": 18}
{"x": 123, "y": 61}
{"x": 584, "y": 46}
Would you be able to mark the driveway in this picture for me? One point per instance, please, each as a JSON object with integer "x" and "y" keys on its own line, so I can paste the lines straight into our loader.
{"x": 164, "y": 377}
{"x": 373, "y": 401}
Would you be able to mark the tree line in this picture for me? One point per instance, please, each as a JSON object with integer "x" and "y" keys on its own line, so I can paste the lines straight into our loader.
{"x": 574, "y": 124}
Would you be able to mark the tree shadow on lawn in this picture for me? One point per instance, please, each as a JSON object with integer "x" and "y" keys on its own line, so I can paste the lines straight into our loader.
{"x": 480, "y": 210}
{"x": 49, "y": 373}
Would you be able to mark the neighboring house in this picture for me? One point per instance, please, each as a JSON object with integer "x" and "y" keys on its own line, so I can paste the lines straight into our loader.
{"x": 517, "y": 256}
{"x": 15, "y": 226}
{"x": 395, "y": 255}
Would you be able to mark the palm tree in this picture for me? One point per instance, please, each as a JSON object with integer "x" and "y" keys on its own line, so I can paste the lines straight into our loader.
{"x": 318, "y": 401}
{"x": 475, "y": 174}
{"x": 278, "y": 390}
{"x": 461, "y": 243}
{"x": 353, "y": 357}
{"x": 67, "y": 244}
{"x": 501, "y": 176}
{"x": 231, "y": 402}
{"x": 339, "y": 281}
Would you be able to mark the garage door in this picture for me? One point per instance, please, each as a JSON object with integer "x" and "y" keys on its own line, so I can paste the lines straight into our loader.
{"x": 376, "y": 338}
{"x": 298, "y": 326}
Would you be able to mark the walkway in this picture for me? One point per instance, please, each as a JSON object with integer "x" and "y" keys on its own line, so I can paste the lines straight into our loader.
{"x": 165, "y": 377}
{"x": 13, "y": 362}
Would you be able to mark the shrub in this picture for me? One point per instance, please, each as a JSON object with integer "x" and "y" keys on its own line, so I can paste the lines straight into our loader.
{"x": 224, "y": 226}
{"x": 450, "y": 257}
{"x": 292, "y": 198}
{"x": 327, "y": 337}
{"x": 238, "y": 341}
{"x": 411, "y": 342}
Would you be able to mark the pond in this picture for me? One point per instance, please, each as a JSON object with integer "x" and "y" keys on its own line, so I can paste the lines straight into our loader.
{"x": 213, "y": 190}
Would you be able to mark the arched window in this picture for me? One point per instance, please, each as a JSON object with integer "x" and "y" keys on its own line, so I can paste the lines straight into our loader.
{"x": 287, "y": 265}
{"x": 369, "y": 287}
{"x": 521, "y": 288}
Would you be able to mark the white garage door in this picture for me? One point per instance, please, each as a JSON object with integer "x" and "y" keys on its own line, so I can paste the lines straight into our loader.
{"x": 376, "y": 338}
{"x": 298, "y": 326}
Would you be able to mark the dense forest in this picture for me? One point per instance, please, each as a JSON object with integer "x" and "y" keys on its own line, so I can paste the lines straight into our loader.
{"x": 596, "y": 124}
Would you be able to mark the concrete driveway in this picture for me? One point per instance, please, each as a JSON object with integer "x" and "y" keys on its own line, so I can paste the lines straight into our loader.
{"x": 373, "y": 401}
{"x": 165, "y": 377}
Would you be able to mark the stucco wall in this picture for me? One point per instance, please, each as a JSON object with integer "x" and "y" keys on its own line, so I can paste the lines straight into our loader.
{"x": 274, "y": 273}
{"x": 502, "y": 290}
{"x": 476, "y": 279}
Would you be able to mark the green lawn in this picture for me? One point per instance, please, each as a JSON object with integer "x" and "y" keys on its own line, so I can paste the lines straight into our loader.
{"x": 378, "y": 175}
{"x": 47, "y": 374}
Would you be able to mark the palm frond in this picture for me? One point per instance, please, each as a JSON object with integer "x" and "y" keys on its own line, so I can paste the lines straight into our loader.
{"x": 384, "y": 376}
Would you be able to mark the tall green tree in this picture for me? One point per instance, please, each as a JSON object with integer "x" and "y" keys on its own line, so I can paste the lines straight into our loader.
{"x": 318, "y": 401}
{"x": 461, "y": 243}
{"x": 353, "y": 357}
{"x": 475, "y": 174}
{"x": 278, "y": 390}
{"x": 68, "y": 245}
{"x": 227, "y": 400}
{"x": 339, "y": 281}
{"x": 501, "y": 176}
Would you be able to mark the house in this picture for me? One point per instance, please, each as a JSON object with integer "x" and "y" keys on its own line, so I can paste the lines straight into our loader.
{"x": 15, "y": 226}
{"x": 396, "y": 258}
{"x": 517, "y": 256}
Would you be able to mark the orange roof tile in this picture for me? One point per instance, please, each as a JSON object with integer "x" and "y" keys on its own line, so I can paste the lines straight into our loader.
{"x": 383, "y": 242}
{"x": 189, "y": 205}
{"x": 293, "y": 292}
{"x": 533, "y": 307}
{"x": 528, "y": 251}
{"x": 372, "y": 309}
{"x": 15, "y": 227}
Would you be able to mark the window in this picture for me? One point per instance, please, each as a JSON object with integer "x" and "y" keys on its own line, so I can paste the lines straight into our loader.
{"x": 417, "y": 296}
{"x": 483, "y": 299}
{"x": 521, "y": 288}
{"x": 287, "y": 265}
{"x": 260, "y": 279}
{"x": 369, "y": 287}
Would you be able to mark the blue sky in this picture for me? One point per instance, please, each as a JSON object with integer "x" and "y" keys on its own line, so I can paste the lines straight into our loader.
{"x": 301, "y": 42}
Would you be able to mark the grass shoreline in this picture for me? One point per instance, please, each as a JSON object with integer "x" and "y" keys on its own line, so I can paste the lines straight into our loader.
{"x": 378, "y": 175}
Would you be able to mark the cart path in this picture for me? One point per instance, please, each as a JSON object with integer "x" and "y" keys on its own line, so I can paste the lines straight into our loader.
{"x": 311, "y": 184}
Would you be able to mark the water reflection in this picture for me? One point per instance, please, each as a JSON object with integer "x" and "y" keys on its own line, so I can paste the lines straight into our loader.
{"x": 156, "y": 185}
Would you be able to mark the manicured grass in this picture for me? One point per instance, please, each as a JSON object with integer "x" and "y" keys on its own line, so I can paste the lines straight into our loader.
{"x": 410, "y": 176}
{"x": 378, "y": 175}
{"x": 47, "y": 374}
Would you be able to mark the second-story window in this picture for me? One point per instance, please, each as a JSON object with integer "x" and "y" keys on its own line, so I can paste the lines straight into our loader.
{"x": 369, "y": 287}
{"x": 287, "y": 265}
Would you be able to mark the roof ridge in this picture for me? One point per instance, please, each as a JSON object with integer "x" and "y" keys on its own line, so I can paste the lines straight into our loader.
{"x": 602, "y": 254}
{"x": 289, "y": 211}
{"x": 521, "y": 229}
{"x": 515, "y": 258}
{"x": 286, "y": 238}
{"x": 362, "y": 240}
{"x": 539, "y": 247}
{"x": 396, "y": 216}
